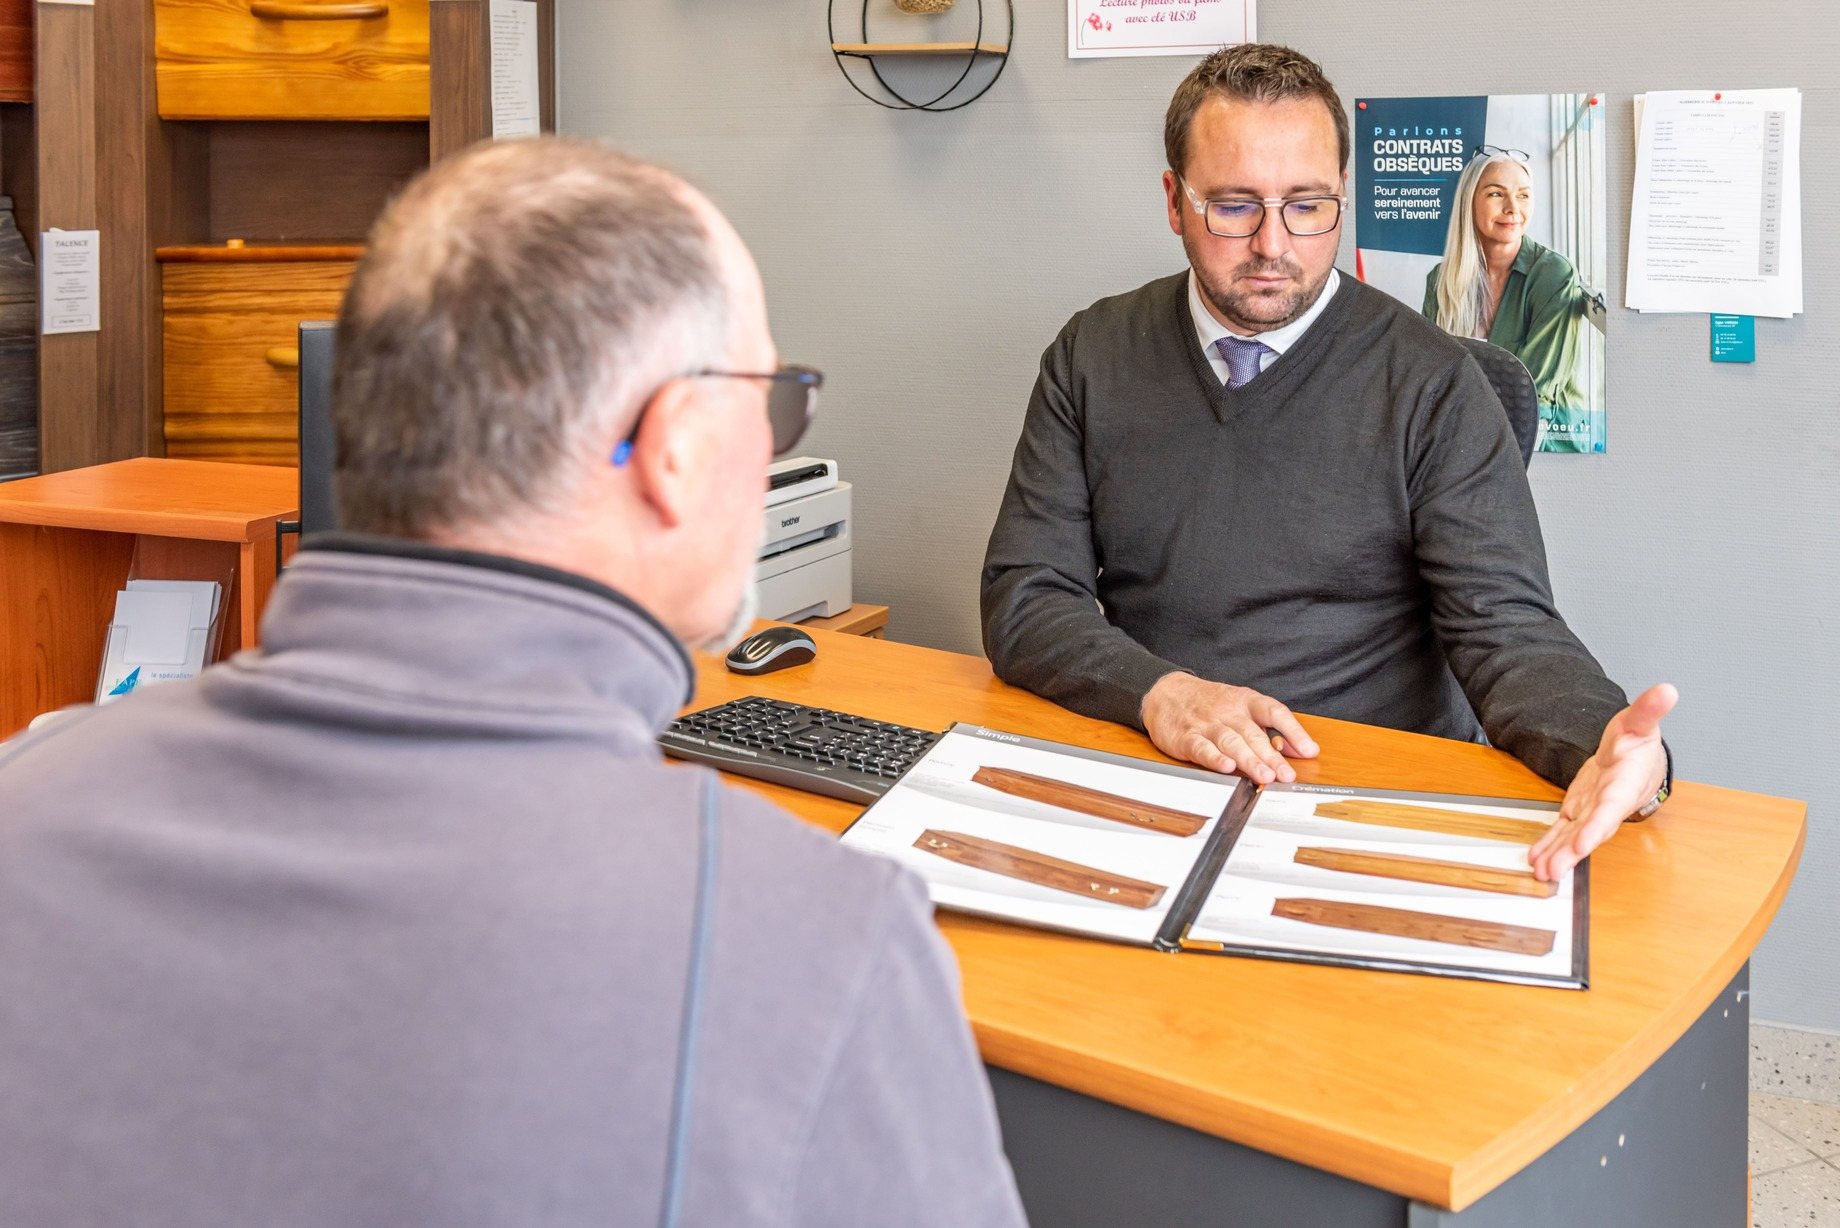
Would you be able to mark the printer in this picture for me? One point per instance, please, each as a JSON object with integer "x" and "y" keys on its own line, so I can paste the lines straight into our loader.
{"x": 803, "y": 570}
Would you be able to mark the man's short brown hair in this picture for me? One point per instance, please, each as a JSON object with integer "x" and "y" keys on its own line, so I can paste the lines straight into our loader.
{"x": 1250, "y": 72}
{"x": 515, "y": 307}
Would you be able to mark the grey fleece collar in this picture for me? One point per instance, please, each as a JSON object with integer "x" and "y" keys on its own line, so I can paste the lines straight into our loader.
{"x": 481, "y": 623}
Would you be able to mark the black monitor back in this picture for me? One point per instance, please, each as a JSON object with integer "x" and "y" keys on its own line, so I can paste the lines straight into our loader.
{"x": 317, "y": 511}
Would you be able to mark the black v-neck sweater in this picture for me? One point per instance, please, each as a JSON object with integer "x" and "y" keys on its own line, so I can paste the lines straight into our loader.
{"x": 1351, "y": 532}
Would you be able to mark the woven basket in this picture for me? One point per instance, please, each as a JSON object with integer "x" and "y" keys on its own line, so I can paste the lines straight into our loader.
{"x": 923, "y": 6}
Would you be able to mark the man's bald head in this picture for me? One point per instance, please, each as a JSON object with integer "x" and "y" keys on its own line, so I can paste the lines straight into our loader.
{"x": 514, "y": 309}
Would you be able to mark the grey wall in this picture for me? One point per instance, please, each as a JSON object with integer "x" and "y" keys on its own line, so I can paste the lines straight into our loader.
{"x": 924, "y": 262}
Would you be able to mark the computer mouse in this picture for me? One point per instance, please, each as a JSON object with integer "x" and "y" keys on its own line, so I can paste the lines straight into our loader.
{"x": 772, "y": 649}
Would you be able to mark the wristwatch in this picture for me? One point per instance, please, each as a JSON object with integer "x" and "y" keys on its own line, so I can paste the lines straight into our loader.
{"x": 1661, "y": 794}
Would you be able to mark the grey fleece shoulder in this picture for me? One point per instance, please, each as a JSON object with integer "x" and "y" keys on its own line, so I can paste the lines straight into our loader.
{"x": 810, "y": 853}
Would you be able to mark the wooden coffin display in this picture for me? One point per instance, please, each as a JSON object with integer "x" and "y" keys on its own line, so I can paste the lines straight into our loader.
{"x": 291, "y": 59}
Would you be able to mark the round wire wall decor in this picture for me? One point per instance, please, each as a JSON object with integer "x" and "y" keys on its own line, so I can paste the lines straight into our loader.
{"x": 867, "y": 52}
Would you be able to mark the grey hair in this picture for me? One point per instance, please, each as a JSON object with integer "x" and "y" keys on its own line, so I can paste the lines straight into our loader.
{"x": 516, "y": 306}
{"x": 1462, "y": 282}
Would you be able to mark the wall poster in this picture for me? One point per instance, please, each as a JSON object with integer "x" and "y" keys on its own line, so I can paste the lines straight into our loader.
{"x": 1488, "y": 214}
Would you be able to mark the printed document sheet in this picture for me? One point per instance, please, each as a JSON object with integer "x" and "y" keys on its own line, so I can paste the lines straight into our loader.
{"x": 1716, "y": 222}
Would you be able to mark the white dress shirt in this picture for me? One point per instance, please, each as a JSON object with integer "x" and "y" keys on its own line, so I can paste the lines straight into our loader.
{"x": 1279, "y": 340}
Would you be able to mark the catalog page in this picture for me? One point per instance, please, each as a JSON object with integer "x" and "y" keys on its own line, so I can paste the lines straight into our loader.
{"x": 1422, "y": 882}
{"x": 1047, "y": 834}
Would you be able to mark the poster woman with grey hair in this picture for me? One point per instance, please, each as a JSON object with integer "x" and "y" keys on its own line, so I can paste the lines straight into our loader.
{"x": 1497, "y": 284}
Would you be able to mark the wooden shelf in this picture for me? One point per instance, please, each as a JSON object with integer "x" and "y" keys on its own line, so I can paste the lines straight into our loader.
{"x": 859, "y": 619}
{"x": 873, "y": 49}
{"x": 254, "y": 253}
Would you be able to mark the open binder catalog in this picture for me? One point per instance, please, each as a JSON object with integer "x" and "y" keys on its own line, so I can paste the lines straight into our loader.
{"x": 1184, "y": 859}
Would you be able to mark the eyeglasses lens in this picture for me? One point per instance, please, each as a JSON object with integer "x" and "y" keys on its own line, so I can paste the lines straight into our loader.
{"x": 792, "y": 399}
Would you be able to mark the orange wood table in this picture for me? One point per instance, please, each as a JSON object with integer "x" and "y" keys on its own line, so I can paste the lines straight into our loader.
{"x": 67, "y": 541}
{"x": 1433, "y": 1091}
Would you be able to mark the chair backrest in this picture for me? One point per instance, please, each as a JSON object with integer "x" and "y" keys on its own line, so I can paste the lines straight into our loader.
{"x": 1515, "y": 388}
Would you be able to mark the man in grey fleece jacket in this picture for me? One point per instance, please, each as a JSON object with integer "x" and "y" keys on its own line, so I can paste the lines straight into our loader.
{"x": 400, "y": 919}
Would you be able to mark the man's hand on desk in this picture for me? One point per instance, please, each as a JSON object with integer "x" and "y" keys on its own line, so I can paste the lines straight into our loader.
{"x": 1223, "y": 727}
{"x": 1621, "y": 778}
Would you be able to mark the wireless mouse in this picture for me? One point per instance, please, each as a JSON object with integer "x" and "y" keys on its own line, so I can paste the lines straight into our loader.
{"x": 772, "y": 649}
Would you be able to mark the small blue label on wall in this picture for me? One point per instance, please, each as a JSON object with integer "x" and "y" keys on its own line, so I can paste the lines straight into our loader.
{"x": 1734, "y": 338}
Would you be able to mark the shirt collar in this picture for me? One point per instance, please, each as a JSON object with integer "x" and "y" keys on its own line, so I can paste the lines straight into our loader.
{"x": 1210, "y": 330}
{"x": 1528, "y": 256}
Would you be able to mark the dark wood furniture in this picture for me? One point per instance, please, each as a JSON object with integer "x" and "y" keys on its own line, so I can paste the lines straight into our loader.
{"x": 179, "y": 125}
{"x": 229, "y": 329}
{"x": 291, "y": 59}
{"x": 16, "y": 50}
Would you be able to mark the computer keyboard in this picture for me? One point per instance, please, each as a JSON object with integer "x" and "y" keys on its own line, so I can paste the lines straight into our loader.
{"x": 815, "y": 749}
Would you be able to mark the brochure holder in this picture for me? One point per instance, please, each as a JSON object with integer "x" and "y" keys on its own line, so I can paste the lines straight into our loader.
{"x": 163, "y": 584}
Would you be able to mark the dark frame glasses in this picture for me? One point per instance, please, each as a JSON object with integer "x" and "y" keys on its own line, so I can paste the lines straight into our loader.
{"x": 1497, "y": 151}
{"x": 792, "y": 399}
{"x": 792, "y": 402}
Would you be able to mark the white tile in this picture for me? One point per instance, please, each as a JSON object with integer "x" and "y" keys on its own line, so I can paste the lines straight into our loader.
{"x": 1787, "y": 1062}
{"x": 1807, "y": 1123}
{"x": 1807, "y": 1194}
{"x": 1771, "y": 1149}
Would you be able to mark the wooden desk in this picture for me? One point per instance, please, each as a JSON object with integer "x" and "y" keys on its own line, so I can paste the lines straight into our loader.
{"x": 1405, "y": 1096}
{"x": 67, "y": 541}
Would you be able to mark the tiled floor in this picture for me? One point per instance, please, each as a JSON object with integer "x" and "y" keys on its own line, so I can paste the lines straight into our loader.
{"x": 1795, "y": 1128}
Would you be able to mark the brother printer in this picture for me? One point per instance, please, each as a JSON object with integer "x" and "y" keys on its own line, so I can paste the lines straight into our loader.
{"x": 804, "y": 564}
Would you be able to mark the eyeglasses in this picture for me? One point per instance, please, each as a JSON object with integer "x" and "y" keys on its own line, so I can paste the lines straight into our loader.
{"x": 792, "y": 402}
{"x": 1240, "y": 218}
{"x": 1496, "y": 151}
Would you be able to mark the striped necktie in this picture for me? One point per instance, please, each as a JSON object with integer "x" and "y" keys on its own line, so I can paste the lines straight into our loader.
{"x": 1242, "y": 355}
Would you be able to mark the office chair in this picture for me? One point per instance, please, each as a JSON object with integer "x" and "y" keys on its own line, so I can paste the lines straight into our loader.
{"x": 1515, "y": 388}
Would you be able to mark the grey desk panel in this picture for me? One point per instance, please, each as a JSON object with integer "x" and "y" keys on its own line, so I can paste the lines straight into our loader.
{"x": 1671, "y": 1150}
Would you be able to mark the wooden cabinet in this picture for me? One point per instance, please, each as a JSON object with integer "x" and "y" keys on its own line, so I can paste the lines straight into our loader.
{"x": 230, "y": 378}
{"x": 291, "y": 59}
{"x": 16, "y": 50}
{"x": 170, "y": 123}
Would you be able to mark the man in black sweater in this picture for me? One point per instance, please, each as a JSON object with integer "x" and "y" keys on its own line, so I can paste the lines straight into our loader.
{"x": 1260, "y": 478}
